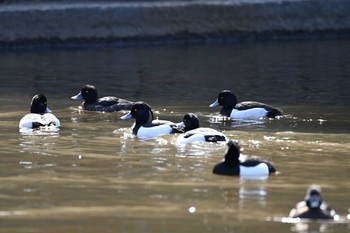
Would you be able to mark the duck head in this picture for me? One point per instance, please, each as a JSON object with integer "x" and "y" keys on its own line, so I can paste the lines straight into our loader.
{"x": 190, "y": 122}
{"x": 225, "y": 98}
{"x": 313, "y": 197}
{"x": 232, "y": 154}
{"x": 39, "y": 104}
{"x": 87, "y": 93}
{"x": 142, "y": 113}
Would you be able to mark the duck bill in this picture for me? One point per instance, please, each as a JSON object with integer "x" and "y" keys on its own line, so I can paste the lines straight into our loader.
{"x": 180, "y": 125}
{"x": 216, "y": 103}
{"x": 48, "y": 110}
{"x": 126, "y": 116}
{"x": 77, "y": 97}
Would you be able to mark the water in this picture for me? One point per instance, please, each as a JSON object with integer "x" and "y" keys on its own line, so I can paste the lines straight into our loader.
{"x": 93, "y": 176}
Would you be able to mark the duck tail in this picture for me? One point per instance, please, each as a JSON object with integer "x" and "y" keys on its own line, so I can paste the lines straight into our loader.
{"x": 272, "y": 169}
{"x": 272, "y": 113}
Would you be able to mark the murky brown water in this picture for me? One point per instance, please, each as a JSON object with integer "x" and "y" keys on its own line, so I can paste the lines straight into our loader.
{"x": 93, "y": 176}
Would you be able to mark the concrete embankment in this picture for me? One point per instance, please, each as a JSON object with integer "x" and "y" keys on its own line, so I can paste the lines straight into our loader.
{"x": 51, "y": 24}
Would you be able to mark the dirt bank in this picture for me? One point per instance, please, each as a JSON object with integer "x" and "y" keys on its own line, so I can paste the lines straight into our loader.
{"x": 78, "y": 24}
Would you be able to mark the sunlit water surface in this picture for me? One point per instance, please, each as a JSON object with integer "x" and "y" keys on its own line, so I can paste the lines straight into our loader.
{"x": 92, "y": 175}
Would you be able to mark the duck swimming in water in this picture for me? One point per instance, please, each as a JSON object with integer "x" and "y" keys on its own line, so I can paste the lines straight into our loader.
{"x": 40, "y": 115}
{"x": 145, "y": 126}
{"x": 243, "y": 110}
{"x": 313, "y": 206}
{"x": 232, "y": 166}
{"x": 194, "y": 133}
{"x": 104, "y": 104}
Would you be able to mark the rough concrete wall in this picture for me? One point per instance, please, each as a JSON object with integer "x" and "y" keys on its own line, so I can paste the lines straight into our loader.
{"x": 123, "y": 21}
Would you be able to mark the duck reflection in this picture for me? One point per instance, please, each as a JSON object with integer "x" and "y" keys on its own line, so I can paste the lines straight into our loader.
{"x": 252, "y": 189}
{"x": 39, "y": 142}
{"x": 307, "y": 227}
{"x": 35, "y": 148}
{"x": 251, "y": 192}
{"x": 236, "y": 123}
